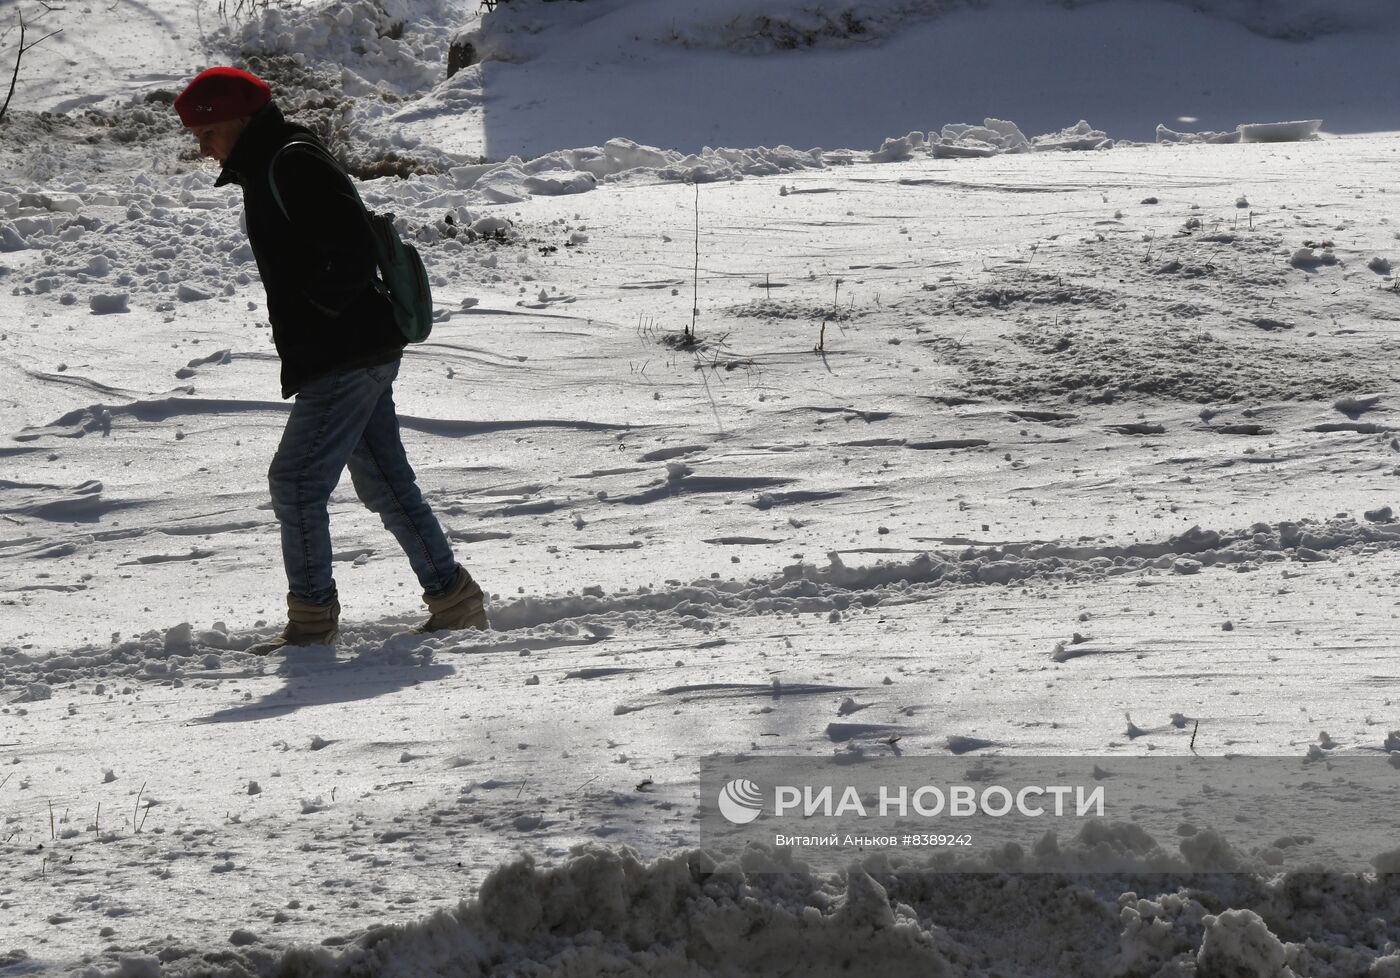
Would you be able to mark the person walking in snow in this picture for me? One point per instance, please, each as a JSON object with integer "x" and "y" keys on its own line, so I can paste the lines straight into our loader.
{"x": 340, "y": 349}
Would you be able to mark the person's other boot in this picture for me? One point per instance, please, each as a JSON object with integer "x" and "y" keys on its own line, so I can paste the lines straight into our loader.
{"x": 307, "y": 624}
{"x": 461, "y": 606}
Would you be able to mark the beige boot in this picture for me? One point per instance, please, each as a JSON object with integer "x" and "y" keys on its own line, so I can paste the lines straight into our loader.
{"x": 463, "y": 606}
{"x": 307, "y": 624}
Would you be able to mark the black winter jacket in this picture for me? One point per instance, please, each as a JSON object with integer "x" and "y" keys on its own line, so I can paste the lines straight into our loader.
{"x": 316, "y": 260}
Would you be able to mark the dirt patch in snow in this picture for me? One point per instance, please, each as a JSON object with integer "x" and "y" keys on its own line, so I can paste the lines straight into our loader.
{"x": 1106, "y": 320}
{"x": 1087, "y": 364}
{"x": 775, "y": 309}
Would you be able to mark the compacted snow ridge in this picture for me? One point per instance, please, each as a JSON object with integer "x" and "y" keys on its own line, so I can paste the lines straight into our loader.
{"x": 1000, "y": 433}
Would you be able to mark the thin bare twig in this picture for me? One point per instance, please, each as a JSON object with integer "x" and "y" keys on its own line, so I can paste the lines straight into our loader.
{"x": 19, "y": 55}
{"x": 695, "y": 280}
{"x": 137, "y": 810}
{"x": 835, "y": 298}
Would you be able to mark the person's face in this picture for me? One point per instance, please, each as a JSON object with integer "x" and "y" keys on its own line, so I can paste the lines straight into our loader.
{"x": 217, "y": 138}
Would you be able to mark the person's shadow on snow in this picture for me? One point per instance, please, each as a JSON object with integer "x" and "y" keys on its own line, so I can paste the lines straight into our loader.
{"x": 315, "y": 677}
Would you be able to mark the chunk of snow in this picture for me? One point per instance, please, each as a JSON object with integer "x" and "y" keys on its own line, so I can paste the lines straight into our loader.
{"x": 487, "y": 226}
{"x": 895, "y": 150}
{"x": 1080, "y": 136}
{"x": 1238, "y": 942}
{"x": 35, "y": 692}
{"x": 105, "y": 304}
{"x": 188, "y": 293}
{"x": 1279, "y": 132}
{"x": 558, "y": 183}
{"x": 1309, "y": 258}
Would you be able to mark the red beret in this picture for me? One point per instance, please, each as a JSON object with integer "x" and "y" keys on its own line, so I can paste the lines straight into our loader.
{"x": 221, "y": 94}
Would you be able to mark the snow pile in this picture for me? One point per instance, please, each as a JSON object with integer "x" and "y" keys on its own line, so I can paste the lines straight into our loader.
{"x": 1167, "y": 135}
{"x": 897, "y": 150}
{"x": 516, "y": 32}
{"x": 1078, "y": 137}
{"x": 1247, "y": 132}
{"x": 1279, "y": 132}
{"x": 995, "y": 136}
{"x": 385, "y": 48}
{"x": 580, "y": 170}
{"x": 992, "y": 138}
{"x": 605, "y": 911}
{"x": 107, "y": 247}
{"x": 759, "y": 912}
{"x": 347, "y": 68}
{"x": 97, "y": 240}
{"x": 1238, "y": 942}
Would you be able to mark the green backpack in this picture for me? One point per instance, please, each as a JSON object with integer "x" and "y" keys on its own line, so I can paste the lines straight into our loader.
{"x": 402, "y": 278}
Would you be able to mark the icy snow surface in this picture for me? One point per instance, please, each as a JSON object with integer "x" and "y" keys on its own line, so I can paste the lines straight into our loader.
{"x": 1095, "y": 429}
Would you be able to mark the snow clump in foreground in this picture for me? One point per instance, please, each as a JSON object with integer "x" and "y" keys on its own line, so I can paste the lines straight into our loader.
{"x": 761, "y": 912}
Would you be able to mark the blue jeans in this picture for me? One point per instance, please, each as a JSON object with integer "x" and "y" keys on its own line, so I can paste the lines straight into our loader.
{"x": 347, "y": 419}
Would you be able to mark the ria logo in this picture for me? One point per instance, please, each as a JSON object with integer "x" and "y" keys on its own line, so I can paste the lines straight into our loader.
{"x": 740, "y": 801}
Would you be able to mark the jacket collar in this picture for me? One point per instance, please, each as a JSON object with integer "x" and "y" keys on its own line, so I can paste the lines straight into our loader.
{"x": 253, "y": 149}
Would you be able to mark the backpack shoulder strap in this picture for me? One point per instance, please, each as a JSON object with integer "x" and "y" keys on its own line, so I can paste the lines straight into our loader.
{"x": 316, "y": 150}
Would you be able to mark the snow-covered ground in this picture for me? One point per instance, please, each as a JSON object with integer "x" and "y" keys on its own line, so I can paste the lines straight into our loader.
{"x": 1098, "y": 443}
